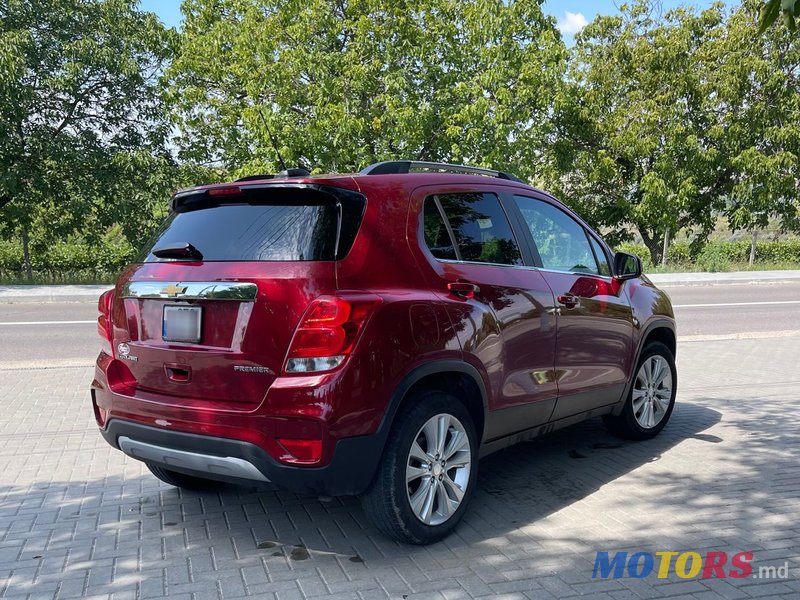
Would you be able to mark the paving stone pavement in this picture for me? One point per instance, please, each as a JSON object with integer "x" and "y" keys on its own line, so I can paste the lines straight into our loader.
{"x": 78, "y": 519}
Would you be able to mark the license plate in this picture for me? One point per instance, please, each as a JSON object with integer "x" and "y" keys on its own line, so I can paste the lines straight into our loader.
{"x": 181, "y": 323}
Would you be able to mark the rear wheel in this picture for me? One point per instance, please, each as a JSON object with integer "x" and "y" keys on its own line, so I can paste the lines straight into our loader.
{"x": 428, "y": 471}
{"x": 183, "y": 481}
{"x": 651, "y": 397}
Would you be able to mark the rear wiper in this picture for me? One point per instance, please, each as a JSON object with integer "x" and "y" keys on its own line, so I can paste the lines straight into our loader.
{"x": 178, "y": 250}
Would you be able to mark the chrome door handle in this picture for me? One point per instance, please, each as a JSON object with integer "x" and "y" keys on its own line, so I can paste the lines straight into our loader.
{"x": 463, "y": 289}
{"x": 569, "y": 300}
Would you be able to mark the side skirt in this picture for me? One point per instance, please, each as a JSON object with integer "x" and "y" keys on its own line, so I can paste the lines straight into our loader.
{"x": 535, "y": 432}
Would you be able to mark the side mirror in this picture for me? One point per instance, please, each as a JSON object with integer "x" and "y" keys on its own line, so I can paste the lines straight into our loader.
{"x": 627, "y": 266}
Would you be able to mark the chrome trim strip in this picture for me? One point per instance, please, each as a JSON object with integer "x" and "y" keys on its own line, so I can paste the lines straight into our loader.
{"x": 191, "y": 290}
{"x": 228, "y": 466}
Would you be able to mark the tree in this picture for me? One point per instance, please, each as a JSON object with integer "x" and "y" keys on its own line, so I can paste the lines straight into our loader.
{"x": 337, "y": 84}
{"x": 637, "y": 144}
{"x": 758, "y": 103}
{"x": 79, "y": 97}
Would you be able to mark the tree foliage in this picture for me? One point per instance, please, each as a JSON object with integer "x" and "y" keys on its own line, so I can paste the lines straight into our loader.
{"x": 666, "y": 120}
{"x": 653, "y": 123}
{"x": 758, "y": 91}
{"x": 772, "y": 9}
{"x": 338, "y": 84}
{"x": 79, "y": 110}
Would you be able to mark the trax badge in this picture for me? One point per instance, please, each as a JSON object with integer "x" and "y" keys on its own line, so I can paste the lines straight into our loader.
{"x": 124, "y": 352}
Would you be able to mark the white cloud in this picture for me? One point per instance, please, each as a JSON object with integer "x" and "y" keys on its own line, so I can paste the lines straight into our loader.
{"x": 572, "y": 23}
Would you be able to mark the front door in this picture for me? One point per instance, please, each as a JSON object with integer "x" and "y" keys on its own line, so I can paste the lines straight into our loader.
{"x": 595, "y": 323}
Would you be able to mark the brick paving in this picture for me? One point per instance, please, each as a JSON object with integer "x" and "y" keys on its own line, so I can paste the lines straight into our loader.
{"x": 79, "y": 520}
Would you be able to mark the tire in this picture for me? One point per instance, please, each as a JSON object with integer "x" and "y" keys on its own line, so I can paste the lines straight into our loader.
{"x": 433, "y": 488}
{"x": 183, "y": 481}
{"x": 651, "y": 398}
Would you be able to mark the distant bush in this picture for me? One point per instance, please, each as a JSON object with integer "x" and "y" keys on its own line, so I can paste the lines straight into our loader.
{"x": 720, "y": 256}
{"x": 10, "y": 257}
{"x": 68, "y": 260}
{"x": 714, "y": 258}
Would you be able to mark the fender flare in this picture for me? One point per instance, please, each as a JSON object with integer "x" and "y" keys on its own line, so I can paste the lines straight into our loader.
{"x": 646, "y": 331}
{"x": 422, "y": 371}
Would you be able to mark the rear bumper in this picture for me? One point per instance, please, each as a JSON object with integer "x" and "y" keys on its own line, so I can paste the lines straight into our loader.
{"x": 239, "y": 442}
{"x": 349, "y": 472}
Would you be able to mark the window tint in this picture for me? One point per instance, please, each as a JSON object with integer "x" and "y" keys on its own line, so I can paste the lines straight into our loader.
{"x": 274, "y": 225}
{"x": 560, "y": 240}
{"x": 602, "y": 261}
{"x": 481, "y": 228}
{"x": 437, "y": 238}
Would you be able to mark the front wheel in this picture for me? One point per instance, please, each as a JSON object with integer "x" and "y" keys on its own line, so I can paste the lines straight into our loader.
{"x": 651, "y": 397}
{"x": 428, "y": 471}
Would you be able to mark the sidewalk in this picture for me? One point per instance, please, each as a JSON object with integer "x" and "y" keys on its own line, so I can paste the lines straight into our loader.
{"x": 89, "y": 293}
{"x": 669, "y": 279}
{"x": 52, "y": 293}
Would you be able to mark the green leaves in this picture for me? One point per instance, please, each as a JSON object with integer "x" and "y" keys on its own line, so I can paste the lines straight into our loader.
{"x": 635, "y": 123}
{"x": 668, "y": 121}
{"x": 770, "y": 11}
{"x": 653, "y": 123}
{"x": 79, "y": 95}
{"x": 343, "y": 83}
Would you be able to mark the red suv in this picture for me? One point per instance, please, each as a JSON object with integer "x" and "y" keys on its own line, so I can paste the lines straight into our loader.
{"x": 374, "y": 334}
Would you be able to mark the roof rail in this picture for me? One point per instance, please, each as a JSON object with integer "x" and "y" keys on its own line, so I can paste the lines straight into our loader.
{"x": 388, "y": 167}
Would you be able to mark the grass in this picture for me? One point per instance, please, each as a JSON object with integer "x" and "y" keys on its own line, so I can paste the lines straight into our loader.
{"x": 65, "y": 278}
{"x": 730, "y": 267}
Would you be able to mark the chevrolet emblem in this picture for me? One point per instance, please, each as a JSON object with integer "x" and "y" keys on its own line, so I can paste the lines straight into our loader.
{"x": 173, "y": 289}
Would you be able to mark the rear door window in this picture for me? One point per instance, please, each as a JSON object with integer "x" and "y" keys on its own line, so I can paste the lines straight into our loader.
{"x": 480, "y": 227}
{"x": 437, "y": 238}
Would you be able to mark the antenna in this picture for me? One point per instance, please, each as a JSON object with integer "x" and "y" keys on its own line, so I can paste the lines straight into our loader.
{"x": 272, "y": 139}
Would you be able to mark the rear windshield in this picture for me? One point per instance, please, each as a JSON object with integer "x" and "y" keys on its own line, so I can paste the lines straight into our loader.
{"x": 302, "y": 225}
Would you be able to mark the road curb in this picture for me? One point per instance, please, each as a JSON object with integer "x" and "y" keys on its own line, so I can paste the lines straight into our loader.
{"x": 52, "y": 293}
{"x": 736, "y": 277}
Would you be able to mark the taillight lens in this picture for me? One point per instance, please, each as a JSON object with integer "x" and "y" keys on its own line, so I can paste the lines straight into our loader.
{"x": 328, "y": 332}
{"x": 104, "y": 327}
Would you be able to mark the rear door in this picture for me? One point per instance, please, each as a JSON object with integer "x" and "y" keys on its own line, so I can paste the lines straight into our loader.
{"x": 501, "y": 309}
{"x": 595, "y": 321}
{"x": 214, "y": 323}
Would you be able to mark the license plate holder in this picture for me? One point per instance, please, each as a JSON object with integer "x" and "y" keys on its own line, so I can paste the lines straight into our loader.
{"x": 181, "y": 323}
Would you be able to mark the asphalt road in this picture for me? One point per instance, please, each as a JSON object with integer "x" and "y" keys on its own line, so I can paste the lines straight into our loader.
{"x": 63, "y": 333}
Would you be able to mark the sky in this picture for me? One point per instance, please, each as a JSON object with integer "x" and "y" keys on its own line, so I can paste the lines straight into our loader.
{"x": 572, "y": 15}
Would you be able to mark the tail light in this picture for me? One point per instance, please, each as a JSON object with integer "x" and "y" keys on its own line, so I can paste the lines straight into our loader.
{"x": 104, "y": 326}
{"x": 328, "y": 332}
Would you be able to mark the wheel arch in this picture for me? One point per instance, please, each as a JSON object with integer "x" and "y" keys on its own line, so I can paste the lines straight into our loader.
{"x": 453, "y": 376}
{"x": 657, "y": 330}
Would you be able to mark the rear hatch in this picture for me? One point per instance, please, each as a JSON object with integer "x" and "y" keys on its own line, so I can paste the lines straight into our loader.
{"x": 210, "y": 311}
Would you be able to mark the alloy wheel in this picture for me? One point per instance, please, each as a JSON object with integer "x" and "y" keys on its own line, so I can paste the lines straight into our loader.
{"x": 438, "y": 468}
{"x": 652, "y": 391}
